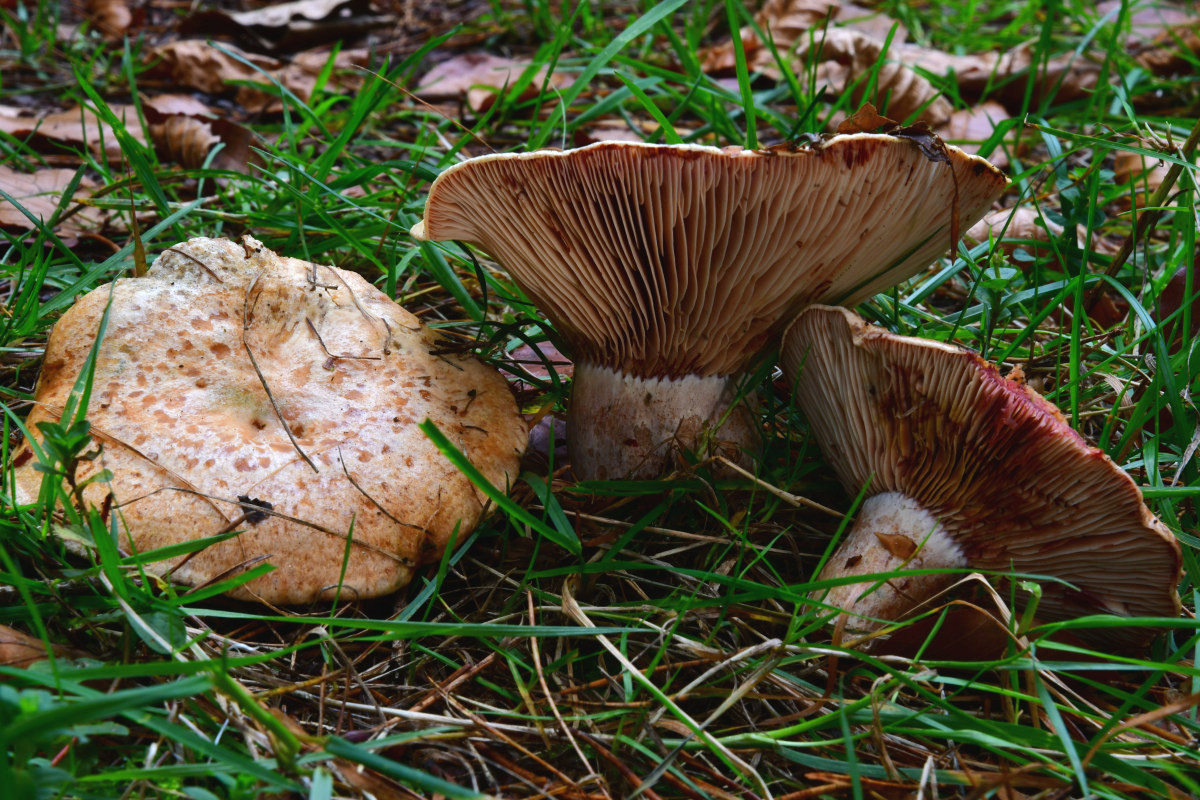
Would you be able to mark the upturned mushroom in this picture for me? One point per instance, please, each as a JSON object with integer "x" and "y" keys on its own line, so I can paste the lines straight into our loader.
{"x": 963, "y": 468}
{"x": 237, "y": 390}
{"x": 669, "y": 270}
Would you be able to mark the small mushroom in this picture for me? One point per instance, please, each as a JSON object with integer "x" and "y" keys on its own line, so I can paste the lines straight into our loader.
{"x": 237, "y": 390}
{"x": 963, "y": 468}
{"x": 670, "y": 270}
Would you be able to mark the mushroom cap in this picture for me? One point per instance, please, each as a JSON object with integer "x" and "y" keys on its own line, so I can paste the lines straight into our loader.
{"x": 668, "y": 260}
{"x": 187, "y": 426}
{"x": 993, "y": 461}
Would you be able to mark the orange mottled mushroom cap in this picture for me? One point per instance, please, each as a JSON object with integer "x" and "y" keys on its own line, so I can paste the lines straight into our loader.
{"x": 188, "y": 425}
{"x": 994, "y": 476}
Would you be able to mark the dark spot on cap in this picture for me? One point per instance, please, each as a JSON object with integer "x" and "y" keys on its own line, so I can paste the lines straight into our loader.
{"x": 254, "y": 517}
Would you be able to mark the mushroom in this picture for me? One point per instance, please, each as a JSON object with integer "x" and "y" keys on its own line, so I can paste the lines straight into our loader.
{"x": 669, "y": 270}
{"x": 965, "y": 469}
{"x": 237, "y": 390}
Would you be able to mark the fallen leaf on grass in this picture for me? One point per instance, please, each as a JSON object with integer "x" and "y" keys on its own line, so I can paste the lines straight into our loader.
{"x": 866, "y": 120}
{"x": 1173, "y": 53}
{"x": 177, "y": 126}
{"x": 289, "y": 27}
{"x": 1170, "y": 301}
{"x": 21, "y": 650}
{"x": 844, "y": 56}
{"x": 177, "y": 104}
{"x": 1143, "y": 173}
{"x": 1161, "y": 35}
{"x": 1003, "y": 76}
{"x": 847, "y": 53}
{"x": 968, "y": 128}
{"x": 787, "y": 22}
{"x": 200, "y": 65}
{"x": 111, "y": 17}
{"x": 480, "y": 76}
{"x": 607, "y": 131}
{"x": 76, "y": 127}
{"x": 524, "y": 361}
{"x": 188, "y": 140}
{"x": 184, "y": 131}
{"x": 1016, "y": 228}
{"x": 39, "y": 193}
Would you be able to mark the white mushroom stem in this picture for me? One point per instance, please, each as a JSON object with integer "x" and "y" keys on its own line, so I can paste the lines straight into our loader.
{"x": 621, "y": 425}
{"x": 892, "y": 533}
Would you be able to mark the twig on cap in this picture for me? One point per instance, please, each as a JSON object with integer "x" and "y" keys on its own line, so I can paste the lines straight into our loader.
{"x": 262, "y": 380}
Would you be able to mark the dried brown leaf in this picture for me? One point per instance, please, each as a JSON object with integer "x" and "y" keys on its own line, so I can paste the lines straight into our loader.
{"x": 866, "y": 120}
{"x": 1150, "y": 19}
{"x": 22, "y": 650}
{"x": 1164, "y": 37}
{"x": 607, "y": 131}
{"x": 1020, "y": 223}
{"x": 845, "y": 56}
{"x": 788, "y": 22}
{"x": 200, "y": 65}
{"x": 75, "y": 126}
{"x": 188, "y": 131}
{"x": 967, "y": 128}
{"x": 177, "y": 104}
{"x": 1171, "y": 300}
{"x": 1145, "y": 174}
{"x": 480, "y": 76}
{"x": 39, "y": 193}
{"x": 1004, "y": 76}
{"x": 185, "y": 140}
{"x": 111, "y": 17}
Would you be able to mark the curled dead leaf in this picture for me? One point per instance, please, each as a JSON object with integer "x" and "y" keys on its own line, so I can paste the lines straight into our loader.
{"x": 185, "y": 140}
{"x": 1164, "y": 37}
{"x": 188, "y": 138}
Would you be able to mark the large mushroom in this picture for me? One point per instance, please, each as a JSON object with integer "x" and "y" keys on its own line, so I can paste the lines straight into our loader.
{"x": 963, "y": 468}
{"x": 237, "y": 390}
{"x": 669, "y": 270}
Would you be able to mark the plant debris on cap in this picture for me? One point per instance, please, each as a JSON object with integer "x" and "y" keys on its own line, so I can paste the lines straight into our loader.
{"x": 964, "y": 468}
{"x": 669, "y": 269}
{"x": 236, "y": 389}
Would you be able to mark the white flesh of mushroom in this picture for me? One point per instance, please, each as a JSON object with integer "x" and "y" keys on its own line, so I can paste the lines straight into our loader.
{"x": 892, "y": 533}
{"x": 621, "y": 424}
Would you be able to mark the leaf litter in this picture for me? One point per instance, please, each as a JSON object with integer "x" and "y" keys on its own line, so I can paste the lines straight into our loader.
{"x": 702, "y": 595}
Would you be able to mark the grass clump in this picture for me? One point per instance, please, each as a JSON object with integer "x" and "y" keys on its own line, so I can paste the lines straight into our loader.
{"x": 609, "y": 638}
